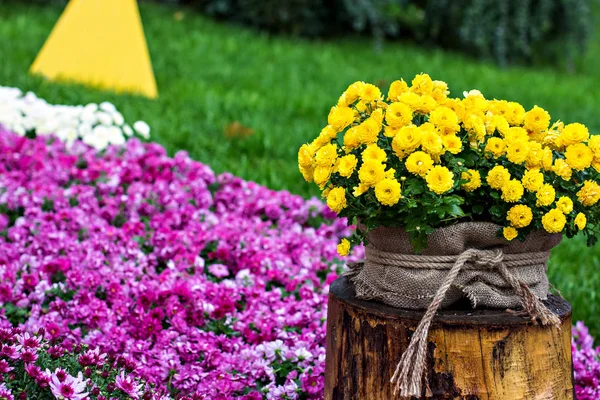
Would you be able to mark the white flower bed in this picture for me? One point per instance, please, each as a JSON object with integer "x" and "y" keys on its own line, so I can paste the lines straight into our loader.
{"x": 95, "y": 125}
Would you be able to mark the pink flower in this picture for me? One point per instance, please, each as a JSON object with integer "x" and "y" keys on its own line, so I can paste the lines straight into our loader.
{"x": 5, "y": 393}
{"x": 128, "y": 385}
{"x": 26, "y": 341}
{"x": 218, "y": 270}
{"x": 68, "y": 388}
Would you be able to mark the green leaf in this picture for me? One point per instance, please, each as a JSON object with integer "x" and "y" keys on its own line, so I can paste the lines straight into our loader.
{"x": 413, "y": 186}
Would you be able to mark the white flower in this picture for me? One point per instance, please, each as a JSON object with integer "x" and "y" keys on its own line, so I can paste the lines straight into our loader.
{"x": 108, "y": 107}
{"x": 117, "y": 117}
{"x": 95, "y": 125}
{"x": 127, "y": 130}
{"x": 104, "y": 118}
{"x": 142, "y": 129}
{"x": 302, "y": 354}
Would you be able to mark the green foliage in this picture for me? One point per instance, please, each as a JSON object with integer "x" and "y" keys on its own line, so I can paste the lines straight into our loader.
{"x": 506, "y": 31}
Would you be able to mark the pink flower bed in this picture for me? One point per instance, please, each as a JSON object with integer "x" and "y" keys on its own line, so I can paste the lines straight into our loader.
{"x": 215, "y": 286}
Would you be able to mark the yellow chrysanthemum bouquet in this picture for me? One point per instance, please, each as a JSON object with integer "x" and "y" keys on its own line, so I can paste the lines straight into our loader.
{"x": 420, "y": 160}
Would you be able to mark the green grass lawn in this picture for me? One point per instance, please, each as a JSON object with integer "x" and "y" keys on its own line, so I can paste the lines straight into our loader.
{"x": 211, "y": 75}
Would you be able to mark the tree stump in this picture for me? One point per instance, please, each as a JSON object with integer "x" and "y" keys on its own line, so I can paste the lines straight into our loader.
{"x": 472, "y": 353}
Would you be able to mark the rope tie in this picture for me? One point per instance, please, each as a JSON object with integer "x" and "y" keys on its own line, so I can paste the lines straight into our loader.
{"x": 408, "y": 376}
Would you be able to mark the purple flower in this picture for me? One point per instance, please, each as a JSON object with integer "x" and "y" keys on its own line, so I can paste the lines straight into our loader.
{"x": 69, "y": 387}
{"x": 27, "y": 341}
{"x": 128, "y": 385}
{"x": 5, "y": 393}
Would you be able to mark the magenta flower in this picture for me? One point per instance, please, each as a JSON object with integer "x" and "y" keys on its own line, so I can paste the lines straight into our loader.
{"x": 27, "y": 341}
{"x": 68, "y": 388}
{"x": 128, "y": 385}
{"x": 5, "y": 367}
{"x": 5, "y": 393}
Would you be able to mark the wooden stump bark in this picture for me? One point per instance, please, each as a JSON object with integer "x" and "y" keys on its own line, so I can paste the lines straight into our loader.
{"x": 472, "y": 354}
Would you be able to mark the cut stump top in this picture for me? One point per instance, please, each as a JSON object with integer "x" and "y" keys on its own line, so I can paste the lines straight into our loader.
{"x": 458, "y": 314}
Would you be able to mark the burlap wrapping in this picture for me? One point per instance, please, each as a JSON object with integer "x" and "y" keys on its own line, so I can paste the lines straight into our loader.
{"x": 463, "y": 260}
{"x": 414, "y": 288}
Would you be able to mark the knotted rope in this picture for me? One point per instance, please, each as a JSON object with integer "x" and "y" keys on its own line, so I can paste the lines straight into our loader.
{"x": 408, "y": 376}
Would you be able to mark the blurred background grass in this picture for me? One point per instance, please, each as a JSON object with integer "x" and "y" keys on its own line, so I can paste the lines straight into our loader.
{"x": 244, "y": 101}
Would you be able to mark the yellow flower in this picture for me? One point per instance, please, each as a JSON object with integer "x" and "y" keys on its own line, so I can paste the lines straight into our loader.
{"x": 533, "y": 180}
{"x": 516, "y": 114}
{"x": 326, "y": 135}
{"x": 340, "y": 117}
{"x": 535, "y": 156}
{"x": 390, "y": 173}
{"x": 359, "y": 190}
{"x": 455, "y": 105}
{"x": 305, "y": 156}
{"x": 564, "y": 204}
{"x": 517, "y": 152}
{"x": 377, "y": 115}
{"x": 396, "y": 89}
{"x": 422, "y": 84}
{"x": 495, "y": 146}
{"x": 547, "y": 158}
{"x": 589, "y": 194}
{"x": 545, "y": 195}
{"x": 368, "y": 131}
{"x": 594, "y": 145}
{"x": 426, "y": 104}
{"x": 336, "y": 199}
{"x": 419, "y": 163}
{"x": 515, "y": 134}
{"x": 343, "y": 248}
{"x": 519, "y": 216}
{"x": 510, "y": 233}
{"x": 326, "y": 155}
{"x": 374, "y": 152}
{"x": 440, "y": 91}
{"x": 321, "y": 176}
{"x": 431, "y": 142}
{"x": 562, "y": 169}
{"x": 325, "y": 192}
{"x": 501, "y": 125}
{"x": 452, "y": 143}
{"x": 410, "y": 99}
{"x": 307, "y": 173}
{"x": 371, "y": 172}
{"x": 473, "y": 180}
{"x": 537, "y": 119}
{"x": 369, "y": 93}
{"x": 579, "y": 156}
{"x": 347, "y": 165}
{"x": 573, "y": 134}
{"x": 407, "y": 140}
{"x": 439, "y": 179}
{"x": 398, "y": 115}
{"x": 388, "y": 192}
{"x": 476, "y": 127}
{"x": 388, "y": 131}
{"x": 580, "y": 221}
{"x": 445, "y": 119}
{"x": 512, "y": 191}
{"x": 351, "y": 94}
{"x": 498, "y": 177}
{"x": 352, "y": 138}
{"x": 499, "y": 107}
{"x": 554, "y": 221}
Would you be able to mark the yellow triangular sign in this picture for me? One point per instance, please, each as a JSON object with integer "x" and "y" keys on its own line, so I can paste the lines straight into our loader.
{"x": 99, "y": 43}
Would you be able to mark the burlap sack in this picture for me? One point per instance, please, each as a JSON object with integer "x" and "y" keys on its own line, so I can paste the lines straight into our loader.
{"x": 463, "y": 260}
{"x": 385, "y": 279}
